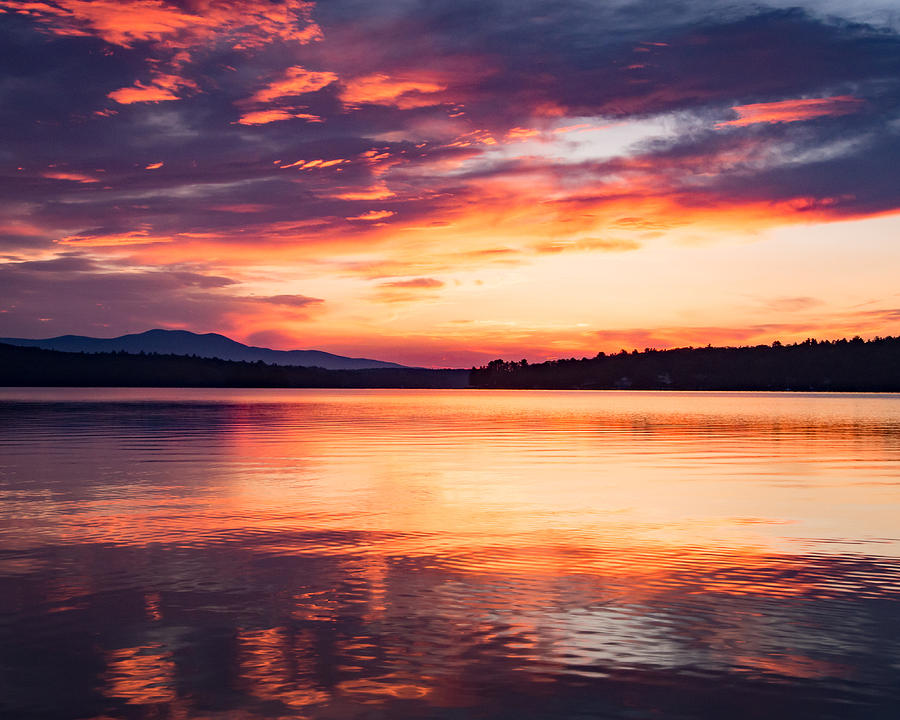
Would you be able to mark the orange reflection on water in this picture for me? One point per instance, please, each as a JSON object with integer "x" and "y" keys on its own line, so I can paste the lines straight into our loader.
{"x": 374, "y": 690}
{"x": 791, "y": 666}
{"x": 363, "y": 549}
{"x": 275, "y": 665}
{"x": 152, "y": 607}
{"x": 141, "y": 675}
{"x": 636, "y": 487}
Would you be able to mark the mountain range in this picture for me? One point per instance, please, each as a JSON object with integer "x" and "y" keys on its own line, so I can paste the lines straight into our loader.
{"x": 208, "y": 345}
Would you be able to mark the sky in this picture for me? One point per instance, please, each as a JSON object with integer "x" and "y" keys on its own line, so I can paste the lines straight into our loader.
{"x": 445, "y": 182}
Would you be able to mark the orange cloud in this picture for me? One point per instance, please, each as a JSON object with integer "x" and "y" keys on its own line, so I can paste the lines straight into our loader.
{"x": 138, "y": 237}
{"x": 411, "y": 290}
{"x": 162, "y": 88}
{"x": 261, "y": 117}
{"x": 141, "y": 93}
{"x": 588, "y": 244}
{"x": 373, "y": 215}
{"x": 495, "y": 221}
{"x": 125, "y": 22}
{"x": 519, "y": 134}
{"x": 174, "y": 32}
{"x": 72, "y": 176}
{"x": 414, "y": 283}
{"x": 295, "y": 81}
{"x": 483, "y": 137}
{"x": 379, "y": 89}
{"x": 311, "y": 164}
{"x": 116, "y": 22}
{"x": 378, "y": 191}
{"x": 787, "y": 111}
{"x": 154, "y": 166}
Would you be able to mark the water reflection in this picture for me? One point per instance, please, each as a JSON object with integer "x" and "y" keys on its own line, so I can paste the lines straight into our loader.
{"x": 448, "y": 554}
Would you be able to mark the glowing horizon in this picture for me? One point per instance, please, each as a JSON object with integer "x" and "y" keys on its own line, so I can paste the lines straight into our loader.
{"x": 441, "y": 184}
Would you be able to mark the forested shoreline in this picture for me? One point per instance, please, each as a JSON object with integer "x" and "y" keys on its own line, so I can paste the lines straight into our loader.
{"x": 839, "y": 366}
{"x": 829, "y": 365}
{"x": 35, "y": 367}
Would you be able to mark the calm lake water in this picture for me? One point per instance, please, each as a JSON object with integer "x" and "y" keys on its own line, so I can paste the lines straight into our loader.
{"x": 243, "y": 554}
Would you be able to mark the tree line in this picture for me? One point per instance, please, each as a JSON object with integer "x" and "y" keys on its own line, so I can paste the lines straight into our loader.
{"x": 829, "y": 365}
{"x": 813, "y": 365}
{"x": 36, "y": 367}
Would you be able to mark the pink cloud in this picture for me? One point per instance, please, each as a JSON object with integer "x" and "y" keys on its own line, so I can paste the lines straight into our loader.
{"x": 295, "y": 81}
{"x": 787, "y": 111}
{"x": 261, "y": 117}
{"x": 162, "y": 88}
{"x": 125, "y": 22}
{"x": 414, "y": 283}
{"x": 373, "y": 215}
{"x": 403, "y": 93}
{"x": 71, "y": 176}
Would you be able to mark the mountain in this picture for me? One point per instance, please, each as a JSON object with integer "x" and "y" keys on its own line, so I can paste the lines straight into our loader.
{"x": 209, "y": 345}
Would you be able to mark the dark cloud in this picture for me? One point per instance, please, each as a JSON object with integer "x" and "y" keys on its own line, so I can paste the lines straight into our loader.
{"x": 295, "y": 301}
{"x": 66, "y": 263}
{"x": 72, "y": 293}
{"x": 509, "y": 64}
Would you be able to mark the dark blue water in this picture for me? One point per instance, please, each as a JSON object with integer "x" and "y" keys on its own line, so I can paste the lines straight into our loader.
{"x": 448, "y": 554}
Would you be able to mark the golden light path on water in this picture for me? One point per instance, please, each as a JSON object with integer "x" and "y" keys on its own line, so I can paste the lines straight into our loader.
{"x": 271, "y": 553}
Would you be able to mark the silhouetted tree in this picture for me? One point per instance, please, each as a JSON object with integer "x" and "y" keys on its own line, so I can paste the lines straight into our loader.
{"x": 843, "y": 365}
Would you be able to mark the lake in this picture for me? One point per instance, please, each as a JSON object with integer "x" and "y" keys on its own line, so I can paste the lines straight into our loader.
{"x": 245, "y": 554}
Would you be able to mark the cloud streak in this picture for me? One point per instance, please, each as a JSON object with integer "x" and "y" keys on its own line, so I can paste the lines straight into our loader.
{"x": 786, "y": 111}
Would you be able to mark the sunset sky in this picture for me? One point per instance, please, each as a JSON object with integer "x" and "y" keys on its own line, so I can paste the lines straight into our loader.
{"x": 444, "y": 182}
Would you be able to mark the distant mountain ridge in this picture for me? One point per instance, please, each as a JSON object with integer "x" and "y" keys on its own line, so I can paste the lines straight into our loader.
{"x": 208, "y": 345}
